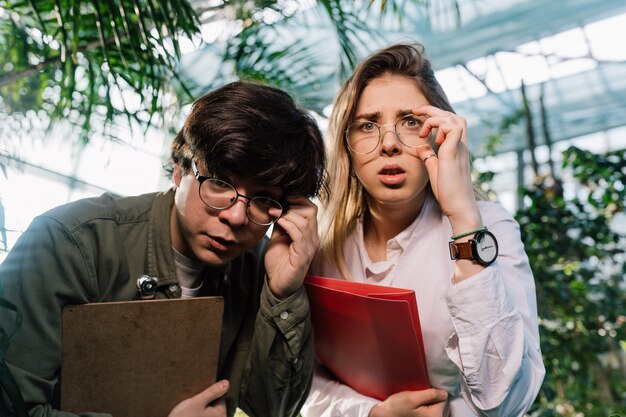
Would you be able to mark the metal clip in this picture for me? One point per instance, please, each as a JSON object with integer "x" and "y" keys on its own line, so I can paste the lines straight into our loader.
{"x": 147, "y": 287}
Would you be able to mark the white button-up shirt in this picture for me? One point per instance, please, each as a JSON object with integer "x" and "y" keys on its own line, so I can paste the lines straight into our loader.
{"x": 480, "y": 335}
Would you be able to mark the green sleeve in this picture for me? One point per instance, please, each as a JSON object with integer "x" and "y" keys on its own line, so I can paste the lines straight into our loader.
{"x": 45, "y": 271}
{"x": 281, "y": 360}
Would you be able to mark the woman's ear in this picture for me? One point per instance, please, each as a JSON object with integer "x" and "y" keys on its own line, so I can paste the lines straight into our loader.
{"x": 177, "y": 174}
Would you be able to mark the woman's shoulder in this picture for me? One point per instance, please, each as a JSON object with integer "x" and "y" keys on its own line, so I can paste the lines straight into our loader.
{"x": 498, "y": 219}
{"x": 494, "y": 211}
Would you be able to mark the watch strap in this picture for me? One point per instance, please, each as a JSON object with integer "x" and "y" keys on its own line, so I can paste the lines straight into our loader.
{"x": 461, "y": 250}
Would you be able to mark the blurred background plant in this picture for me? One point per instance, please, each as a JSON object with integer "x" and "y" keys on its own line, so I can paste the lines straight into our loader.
{"x": 579, "y": 261}
{"x": 86, "y": 62}
{"x": 574, "y": 232}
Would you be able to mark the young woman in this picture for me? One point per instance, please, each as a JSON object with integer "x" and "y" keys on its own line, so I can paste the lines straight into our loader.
{"x": 402, "y": 212}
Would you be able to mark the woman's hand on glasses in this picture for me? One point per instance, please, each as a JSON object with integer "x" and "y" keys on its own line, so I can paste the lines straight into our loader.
{"x": 450, "y": 172}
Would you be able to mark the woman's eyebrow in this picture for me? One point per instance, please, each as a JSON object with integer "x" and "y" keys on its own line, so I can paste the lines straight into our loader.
{"x": 368, "y": 116}
{"x": 375, "y": 116}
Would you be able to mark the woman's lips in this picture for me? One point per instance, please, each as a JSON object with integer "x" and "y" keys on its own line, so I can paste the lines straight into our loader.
{"x": 392, "y": 175}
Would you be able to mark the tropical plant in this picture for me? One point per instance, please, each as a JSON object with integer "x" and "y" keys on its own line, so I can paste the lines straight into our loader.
{"x": 89, "y": 62}
{"x": 579, "y": 261}
{"x": 80, "y": 61}
{"x": 577, "y": 250}
{"x": 578, "y": 254}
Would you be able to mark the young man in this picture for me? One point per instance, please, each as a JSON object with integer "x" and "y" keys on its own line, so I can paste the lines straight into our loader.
{"x": 246, "y": 158}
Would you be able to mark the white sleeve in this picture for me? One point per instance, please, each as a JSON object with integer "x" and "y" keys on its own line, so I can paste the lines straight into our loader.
{"x": 496, "y": 339}
{"x": 330, "y": 398}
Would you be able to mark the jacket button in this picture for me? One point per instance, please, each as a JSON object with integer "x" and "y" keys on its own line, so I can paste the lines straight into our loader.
{"x": 284, "y": 315}
{"x": 173, "y": 288}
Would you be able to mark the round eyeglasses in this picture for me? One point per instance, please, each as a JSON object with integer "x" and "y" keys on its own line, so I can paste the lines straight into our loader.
{"x": 220, "y": 195}
{"x": 364, "y": 136}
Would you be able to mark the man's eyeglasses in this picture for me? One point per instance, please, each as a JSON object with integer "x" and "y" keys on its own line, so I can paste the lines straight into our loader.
{"x": 364, "y": 136}
{"x": 220, "y": 195}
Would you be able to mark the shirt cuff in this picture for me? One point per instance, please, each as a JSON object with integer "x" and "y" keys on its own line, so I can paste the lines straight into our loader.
{"x": 477, "y": 303}
{"x": 287, "y": 315}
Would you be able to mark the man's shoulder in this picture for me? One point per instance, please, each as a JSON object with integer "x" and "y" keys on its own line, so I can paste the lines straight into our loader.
{"x": 106, "y": 207}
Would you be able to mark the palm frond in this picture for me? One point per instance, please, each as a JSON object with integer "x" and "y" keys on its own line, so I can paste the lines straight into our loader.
{"x": 68, "y": 57}
{"x": 307, "y": 54}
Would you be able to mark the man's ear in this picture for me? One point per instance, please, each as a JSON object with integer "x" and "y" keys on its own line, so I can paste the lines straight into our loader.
{"x": 177, "y": 175}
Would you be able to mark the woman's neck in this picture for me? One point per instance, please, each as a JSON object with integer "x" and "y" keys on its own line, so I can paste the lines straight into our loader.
{"x": 383, "y": 222}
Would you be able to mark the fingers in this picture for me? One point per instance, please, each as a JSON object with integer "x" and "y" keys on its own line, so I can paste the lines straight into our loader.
{"x": 427, "y": 397}
{"x": 213, "y": 392}
{"x": 300, "y": 224}
{"x": 208, "y": 403}
{"x": 429, "y": 402}
{"x": 450, "y": 128}
{"x": 292, "y": 246}
{"x": 429, "y": 158}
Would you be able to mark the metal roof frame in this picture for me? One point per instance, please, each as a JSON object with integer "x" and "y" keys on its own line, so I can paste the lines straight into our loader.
{"x": 587, "y": 102}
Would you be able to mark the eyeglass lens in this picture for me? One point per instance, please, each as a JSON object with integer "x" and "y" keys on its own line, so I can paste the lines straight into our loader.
{"x": 220, "y": 195}
{"x": 364, "y": 136}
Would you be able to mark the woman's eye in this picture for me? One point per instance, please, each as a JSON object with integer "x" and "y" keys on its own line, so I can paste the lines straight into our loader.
{"x": 368, "y": 126}
{"x": 412, "y": 122}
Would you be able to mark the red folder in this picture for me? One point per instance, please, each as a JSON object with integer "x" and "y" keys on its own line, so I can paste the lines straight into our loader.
{"x": 368, "y": 336}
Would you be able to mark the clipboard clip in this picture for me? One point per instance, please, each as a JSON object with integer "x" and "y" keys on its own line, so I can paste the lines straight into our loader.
{"x": 147, "y": 287}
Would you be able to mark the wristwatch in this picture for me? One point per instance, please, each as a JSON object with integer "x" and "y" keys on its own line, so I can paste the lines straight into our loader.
{"x": 482, "y": 248}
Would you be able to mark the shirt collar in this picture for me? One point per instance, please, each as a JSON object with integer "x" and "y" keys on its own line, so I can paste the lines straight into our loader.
{"x": 379, "y": 271}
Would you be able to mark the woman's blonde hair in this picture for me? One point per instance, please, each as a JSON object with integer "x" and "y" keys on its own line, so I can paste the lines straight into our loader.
{"x": 344, "y": 199}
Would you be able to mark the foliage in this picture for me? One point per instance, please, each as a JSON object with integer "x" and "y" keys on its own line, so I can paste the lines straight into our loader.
{"x": 88, "y": 62}
{"x": 579, "y": 262}
{"x": 287, "y": 49}
{"x": 72, "y": 61}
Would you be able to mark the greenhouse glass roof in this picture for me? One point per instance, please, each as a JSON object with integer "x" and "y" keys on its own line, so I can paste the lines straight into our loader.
{"x": 569, "y": 54}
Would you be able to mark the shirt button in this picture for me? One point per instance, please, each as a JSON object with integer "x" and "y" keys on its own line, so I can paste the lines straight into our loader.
{"x": 173, "y": 288}
{"x": 454, "y": 311}
{"x": 284, "y": 315}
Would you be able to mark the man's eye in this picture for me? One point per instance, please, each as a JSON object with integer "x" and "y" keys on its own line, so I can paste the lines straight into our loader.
{"x": 220, "y": 184}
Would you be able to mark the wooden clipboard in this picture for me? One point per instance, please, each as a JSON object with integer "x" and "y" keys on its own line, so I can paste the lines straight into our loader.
{"x": 138, "y": 358}
{"x": 368, "y": 336}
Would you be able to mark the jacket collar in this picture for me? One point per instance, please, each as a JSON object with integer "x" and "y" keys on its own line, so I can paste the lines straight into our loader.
{"x": 159, "y": 256}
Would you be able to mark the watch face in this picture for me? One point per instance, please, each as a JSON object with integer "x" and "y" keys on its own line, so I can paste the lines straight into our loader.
{"x": 486, "y": 247}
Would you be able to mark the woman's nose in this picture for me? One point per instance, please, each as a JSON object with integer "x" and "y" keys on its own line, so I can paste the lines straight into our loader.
{"x": 389, "y": 141}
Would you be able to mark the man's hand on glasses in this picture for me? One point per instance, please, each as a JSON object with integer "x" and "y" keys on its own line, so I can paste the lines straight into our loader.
{"x": 292, "y": 246}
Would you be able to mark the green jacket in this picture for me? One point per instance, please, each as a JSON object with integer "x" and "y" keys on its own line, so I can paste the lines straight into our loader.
{"x": 94, "y": 250}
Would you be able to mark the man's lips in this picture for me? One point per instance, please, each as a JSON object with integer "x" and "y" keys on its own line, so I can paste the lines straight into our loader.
{"x": 221, "y": 244}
